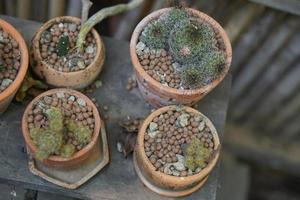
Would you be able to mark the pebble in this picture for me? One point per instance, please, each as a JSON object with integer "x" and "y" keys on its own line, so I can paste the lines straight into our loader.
{"x": 153, "y": 126}
{"x": 140, "y": 47}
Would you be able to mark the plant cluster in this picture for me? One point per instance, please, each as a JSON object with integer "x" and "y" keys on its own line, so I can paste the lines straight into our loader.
{"x": 191, "y": 42}
{"x": 50, "y": 140}
{"x": 196, "y": 155}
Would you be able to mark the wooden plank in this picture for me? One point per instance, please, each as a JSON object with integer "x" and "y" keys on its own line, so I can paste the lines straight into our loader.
{"x": 118, "y": 180}
{"x": 39, "y": 10}
{"x": 241, "y": 19}
{"x": 253, "y": 37}
{"x": 258, "y": 63}
{"x": 74, "y": 8}
{"x": 276, "y": 69}
{"x": 11, "y": 192}
{"x": 10, "y": 7}
{"x": 23, "y": 9}
{"x": 276, "y": 98}
{"x": 286, "y": 113}
{"x": 291, "y": 6}
{"x": 256, "y": 148}
{"x": 56, "y": 8}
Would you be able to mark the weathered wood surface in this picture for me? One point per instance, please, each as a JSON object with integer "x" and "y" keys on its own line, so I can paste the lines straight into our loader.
{"x": 118, "y": 180}
{"x": 291, "y": 6}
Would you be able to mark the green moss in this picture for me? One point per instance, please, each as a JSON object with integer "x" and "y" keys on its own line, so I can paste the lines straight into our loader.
{"x": 190, "y": 40}
{"x": 67, "y": 150}
{"x": 196, "y": 155}
{"x": 155, "y": 35}
{"x": 62, "y": 46}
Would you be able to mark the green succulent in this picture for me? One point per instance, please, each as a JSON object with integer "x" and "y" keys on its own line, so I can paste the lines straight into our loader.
{"x": 190, "y": 40}
{"x": 62, "y": 46}
{"x": 67, "y": 150}
{"x": 56, "y": 119}
{"x": 155, "y": 35}
{"x": 196, "y": 155}
{"x": 174, "y": 16}
{"x": 192, "y": 77}
{"x": 82, "y": 133}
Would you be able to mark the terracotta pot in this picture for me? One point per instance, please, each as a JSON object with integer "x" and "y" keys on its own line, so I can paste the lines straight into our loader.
{"x": 80, "y": 156}
{"x": 160, "y": 95}
{"x": 76, "y": 80}
{"x": 160, "y": 182}
{"x": 7, "y": 95}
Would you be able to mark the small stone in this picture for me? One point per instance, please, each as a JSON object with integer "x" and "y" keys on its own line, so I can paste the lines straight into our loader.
{"x": 177, "y": 67}
{"x": 190, "y": 172}
{"x": 89, "y": 49}
{"x": 176, "y": 173}
{"x": 119, "y": 147}
{"x": 183, "y": 119}
{"x": 198, "y": 170}
{"x": 81, "y": 102}
{"x": 167, "y": 169}
{"x": 81, "y": 64}
{"x": 72, "y": 27}
{"x": 71, "y": 98}
{"x": 201, "y": 126}
{"x": 139, "y": 48}
{"x": 153, "y": 134}
{"x": 60, "y": 95}
{"x": 153, "y": 126}
{"x": 6, "y": 82}
{"x": 98, "y": 84}
{"x": 61, "y": 25}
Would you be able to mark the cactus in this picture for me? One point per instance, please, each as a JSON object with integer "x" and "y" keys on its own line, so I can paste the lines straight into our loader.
{"x": 192, "y": 77}
{"x": 174, "y": 16}
{"x": 155, "y": 34}
{"x": 56, "y": 119}
{"x": 82, "y": 133}
{"x": 196, "y": 155}
{"x": 62, "y": 46}
{"x": 190, "y": 40}
{"x": 67, "y": 150}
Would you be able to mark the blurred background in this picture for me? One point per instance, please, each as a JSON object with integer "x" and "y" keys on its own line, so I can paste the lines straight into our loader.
{"x": 261, "y": 154}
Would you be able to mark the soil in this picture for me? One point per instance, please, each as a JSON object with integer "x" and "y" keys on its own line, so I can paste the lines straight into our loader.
{"x": 72, "y": 61}
{"x": 72, "y": 107}
{"x": 167, "y": 137}
{"x": 10, "y": 59}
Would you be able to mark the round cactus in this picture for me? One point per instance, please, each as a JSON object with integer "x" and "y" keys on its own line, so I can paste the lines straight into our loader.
{"x": 190, "y": 40}
{"x": 67, "y": 150}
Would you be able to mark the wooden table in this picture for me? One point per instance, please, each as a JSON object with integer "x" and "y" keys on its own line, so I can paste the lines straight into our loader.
{"x": 117, "y": 180}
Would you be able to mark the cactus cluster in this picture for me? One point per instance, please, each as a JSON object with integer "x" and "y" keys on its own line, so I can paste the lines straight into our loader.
{"x": 50, "y": 140}
{"x": 196, "y": 155}
{"x": 62, "y": 46}
{"x": 191, "y": 42}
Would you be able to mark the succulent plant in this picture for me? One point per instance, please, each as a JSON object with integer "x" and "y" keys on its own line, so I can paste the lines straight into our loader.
{"x": 192, "y": 77}
{"x": 155, "y": 34}
{"x": 67, "y": 150}
{"x": 196, "y": 155}
{"x": 174, "y": 16}
{"x": 190, "y": 40}
{"x": 56, "y": 119}
{"x": 82, "y": 133}
{"x": 62, "y": 46}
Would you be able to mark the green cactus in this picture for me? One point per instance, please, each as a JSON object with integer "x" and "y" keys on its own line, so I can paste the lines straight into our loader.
{"x": 190, "y": 40}
{"x": 56, "y": 119}
{"x": 174, "y": 16}
{"x": 62, "y": 46}
{"x": 192, "y": 77}
{"x": 82, "y": 133}
{"x": 155, "y": 34}
{"x": 67, "y": 150}
{"x": 196, "y": 155}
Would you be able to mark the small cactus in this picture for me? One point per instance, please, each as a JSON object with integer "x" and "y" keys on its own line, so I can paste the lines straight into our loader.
{"x": 196, "y": 155}
{"x": 174, "y": 16}
{"x": 67, "y": 150}
{"x": 56, "y": 119}
{"x": 155, "y": 35}
{"x": 82, "y": 134}
{"x": 190, "y": 40}
{"x": 62, "y": 46}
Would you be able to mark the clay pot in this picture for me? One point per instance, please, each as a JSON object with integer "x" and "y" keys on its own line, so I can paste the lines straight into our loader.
{"x": 7, "y": 95}
{"x": 159, "y": 95}
{"x": 76, "y": 80}
{"x": 80, "y": 156}
{"x": 160, "y": 182}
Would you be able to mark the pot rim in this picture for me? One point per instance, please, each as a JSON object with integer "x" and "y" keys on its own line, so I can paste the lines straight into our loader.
{"x": 202, "y": 90}
{"x": 78, "y": 154}
{"x": 45, "y": 26}
{"x": 24, "y": 62}
{"x": 174, "y": 179}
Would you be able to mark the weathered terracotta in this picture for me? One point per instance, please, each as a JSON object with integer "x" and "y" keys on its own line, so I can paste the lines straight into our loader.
{"x": 76, "y": 80}
{"x": 160, "y": 95}
{"x": 7, "y": 95}
{"x": 166, "y": 184}
{"x": 79, "y": 157}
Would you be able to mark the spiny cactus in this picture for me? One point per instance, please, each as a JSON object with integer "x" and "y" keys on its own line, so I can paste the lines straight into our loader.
{"x": 155, "y": 34}
{"x": 67, "y": 150}
{"x": 196, "y": 155}
{"x": 56, "y": 119}
{"x": 190, "y": 40}
{"x": 62, "y": 46}
{"x": 192, "y": 77}
{"x": 82, "y": 133}
{"x": 174, "y": 16}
